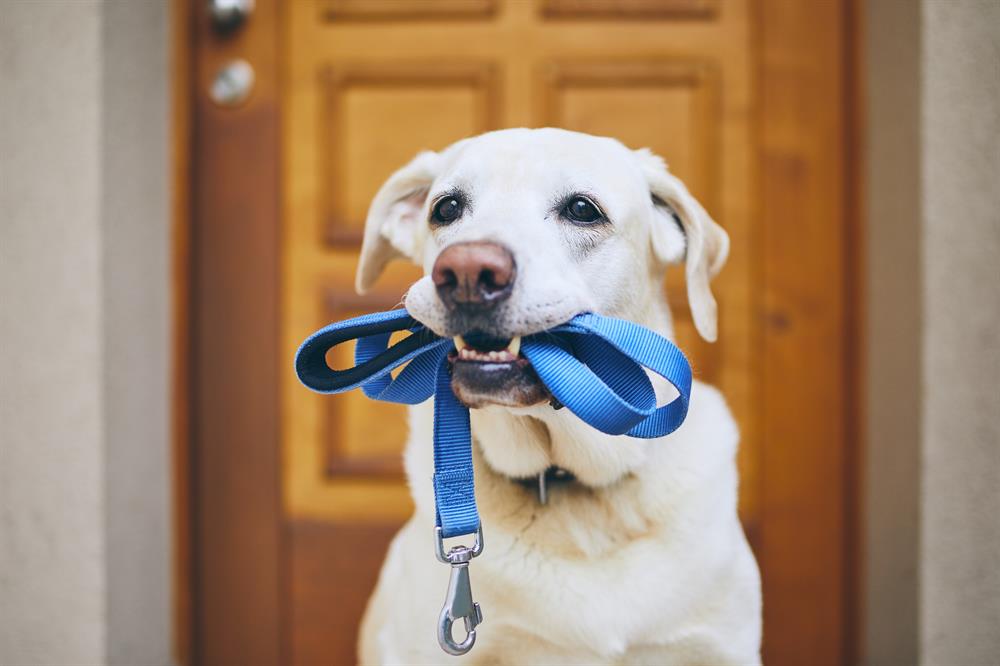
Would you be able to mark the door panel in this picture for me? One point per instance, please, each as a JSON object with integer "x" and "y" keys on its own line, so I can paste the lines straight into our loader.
{"x": 297, "y": 495}
{"x": 367, "y": 112}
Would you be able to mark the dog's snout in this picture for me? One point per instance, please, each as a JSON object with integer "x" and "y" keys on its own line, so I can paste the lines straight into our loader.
{"x": 474, "y": 275}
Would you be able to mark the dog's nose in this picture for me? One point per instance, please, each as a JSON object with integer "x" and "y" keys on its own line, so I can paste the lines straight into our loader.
{"x": 474, "y": 275}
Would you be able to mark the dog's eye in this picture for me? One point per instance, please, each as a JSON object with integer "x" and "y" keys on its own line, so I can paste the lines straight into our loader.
{"x": 447, "y": 210}
{"x": 582, "y": 209}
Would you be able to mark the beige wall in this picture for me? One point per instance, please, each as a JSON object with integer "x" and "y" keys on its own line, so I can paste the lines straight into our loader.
{"x": 960, "y": 461}
{"x": 84, "y": 504}
{"x": 932, "y": 591}
{"x": 135, "y": 270}
{"x": 52, "y": 576}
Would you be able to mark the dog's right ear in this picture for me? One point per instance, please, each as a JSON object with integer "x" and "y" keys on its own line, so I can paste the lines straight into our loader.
{"x": 394, "y": 227}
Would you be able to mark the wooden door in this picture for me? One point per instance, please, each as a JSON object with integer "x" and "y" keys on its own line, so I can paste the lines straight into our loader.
{"x": 297, "y": 495}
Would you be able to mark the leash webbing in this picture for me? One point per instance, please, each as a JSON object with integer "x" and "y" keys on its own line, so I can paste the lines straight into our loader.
{"x": 592, "y": 364}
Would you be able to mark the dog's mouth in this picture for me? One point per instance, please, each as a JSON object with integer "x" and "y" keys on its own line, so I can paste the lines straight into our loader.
{"x": 487, "y": 370}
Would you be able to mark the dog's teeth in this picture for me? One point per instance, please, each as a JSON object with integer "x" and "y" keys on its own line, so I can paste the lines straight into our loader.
{"x": 467, "y": 353}
{"x": 515, "y": 346}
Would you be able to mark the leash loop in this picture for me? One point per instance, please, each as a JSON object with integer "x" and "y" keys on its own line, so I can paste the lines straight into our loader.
{"x": 593, "y": 365}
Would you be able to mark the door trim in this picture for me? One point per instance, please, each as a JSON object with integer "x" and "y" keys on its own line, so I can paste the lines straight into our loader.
{"x": 238, "y": 554}
{"x": 181, "y": 111}
{"x": 808, "y": 125}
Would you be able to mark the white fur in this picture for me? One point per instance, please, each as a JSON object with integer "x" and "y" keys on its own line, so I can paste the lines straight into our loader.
{"x": 644, "y": 560}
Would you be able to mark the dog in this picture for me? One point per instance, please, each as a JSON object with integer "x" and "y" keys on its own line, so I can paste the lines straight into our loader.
{"x": 640, "y": 558}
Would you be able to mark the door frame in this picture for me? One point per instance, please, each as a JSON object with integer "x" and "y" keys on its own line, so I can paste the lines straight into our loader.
{"x": 230, "y": 608}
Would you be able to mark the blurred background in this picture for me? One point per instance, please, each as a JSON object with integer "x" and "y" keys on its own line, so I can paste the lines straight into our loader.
{"x": 182, "y": 189}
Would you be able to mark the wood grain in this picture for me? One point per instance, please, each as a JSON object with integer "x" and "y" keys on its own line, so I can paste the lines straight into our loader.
{"x": 400, "y": 10}
{"x": 330, "y": 586}
{"x": 629, "y": 9}
{"x": 807, "y": 330}
{"x": 234, "y": 304}
{"x": 361, "y": 99}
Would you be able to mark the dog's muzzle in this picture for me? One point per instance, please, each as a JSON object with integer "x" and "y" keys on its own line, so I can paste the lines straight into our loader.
{"x": 473, "y": 280}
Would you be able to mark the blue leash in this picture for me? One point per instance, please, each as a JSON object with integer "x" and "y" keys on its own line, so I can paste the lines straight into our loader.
{"x": 592, "y": 364}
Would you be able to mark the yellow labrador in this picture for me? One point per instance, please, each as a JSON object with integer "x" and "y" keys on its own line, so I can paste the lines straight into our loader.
{"x": 638, "y": 557}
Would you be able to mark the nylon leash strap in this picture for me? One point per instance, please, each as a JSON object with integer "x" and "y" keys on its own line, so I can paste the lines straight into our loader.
{"x": 592, "y": 364}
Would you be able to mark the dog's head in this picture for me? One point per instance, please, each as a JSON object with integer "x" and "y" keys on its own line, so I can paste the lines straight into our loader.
{"x": 519, "y": 230}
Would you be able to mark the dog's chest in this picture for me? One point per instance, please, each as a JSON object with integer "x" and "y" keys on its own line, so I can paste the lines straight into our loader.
{"x": 603, "y": 604}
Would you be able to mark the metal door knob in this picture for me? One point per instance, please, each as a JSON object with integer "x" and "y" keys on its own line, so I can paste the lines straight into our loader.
{"x": 227, "y": 15}
{"x": 232, "y": 83}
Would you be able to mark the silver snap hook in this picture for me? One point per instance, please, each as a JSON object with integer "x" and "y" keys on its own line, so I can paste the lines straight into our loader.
{"x": 458, "y": 602}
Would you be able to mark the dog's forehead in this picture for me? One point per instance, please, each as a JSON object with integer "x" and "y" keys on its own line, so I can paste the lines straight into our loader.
{"x": 542, "y": 159}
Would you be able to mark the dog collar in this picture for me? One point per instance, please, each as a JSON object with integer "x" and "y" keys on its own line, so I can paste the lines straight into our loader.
{"x": 592, "y": 365}
{"x": 540, "y": 482}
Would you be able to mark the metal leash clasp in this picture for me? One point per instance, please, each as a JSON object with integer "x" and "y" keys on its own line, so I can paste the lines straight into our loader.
{"x": 458, "y": 603}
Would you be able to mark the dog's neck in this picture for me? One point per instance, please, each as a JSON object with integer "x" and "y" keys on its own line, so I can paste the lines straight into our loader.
{"x": 603, "y": 485}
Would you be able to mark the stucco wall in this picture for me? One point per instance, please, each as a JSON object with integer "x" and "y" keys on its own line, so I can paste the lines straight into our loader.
{"x": 52, "y": 575}
{"x": 932, "y": 495}
{"x": 84, "y": 529}
{"x": 136, "y": 244}
{"x": 960, "y": 463}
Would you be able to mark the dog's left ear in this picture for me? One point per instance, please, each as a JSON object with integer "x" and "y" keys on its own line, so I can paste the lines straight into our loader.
{"x": 684, "y": 230}
{"x": 394, "y": 227}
